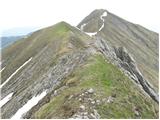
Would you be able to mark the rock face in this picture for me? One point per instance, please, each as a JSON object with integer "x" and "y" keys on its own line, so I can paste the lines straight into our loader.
{"x": 141, "y": 43}
{"x": 121, "y": 58}
{"x": 130, "y": 66}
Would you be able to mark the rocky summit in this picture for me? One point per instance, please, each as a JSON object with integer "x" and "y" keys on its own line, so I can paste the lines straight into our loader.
{"x": 106, "y": 67}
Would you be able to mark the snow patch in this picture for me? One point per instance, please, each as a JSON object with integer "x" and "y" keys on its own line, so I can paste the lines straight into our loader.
{"x": 101, "y": 27}
{"x": 88, "y": 33}
{"x": 6, "y": 99}
{"x": 94, "y": 33}
{"x": 104, "y": 14}
{"x": 2, "y": 69}
{"x": 82, "y": 26}
{"x": 101, "y": 17}
{"x": 15, "y": 72}
{"x": 78, "y": 29}
{"x": 91, "y": 34}
{"x": 32, "y": 102}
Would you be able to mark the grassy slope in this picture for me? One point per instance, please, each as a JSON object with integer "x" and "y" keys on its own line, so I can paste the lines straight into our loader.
{"x": 106, "y": 80}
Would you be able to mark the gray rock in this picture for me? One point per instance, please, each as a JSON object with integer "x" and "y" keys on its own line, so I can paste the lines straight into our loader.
{"x": 85, "y": 113}
{"x": 95, "y": 115}
{"x": 82, "y": 107}
{"x": 91, "y": 91}
{"x": 98, "y": 102}
{"x": 137, "y": 113}
{"x": 80, "y": 99}
{"x": 110, "y": 99}
{"x": 70, "y": 97}
{"x": 55, "y": 93}
{"x": 93, "y": 102}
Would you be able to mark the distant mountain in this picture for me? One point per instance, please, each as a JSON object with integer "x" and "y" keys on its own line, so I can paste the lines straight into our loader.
{"x": 11, "y": 35}
{"x": 6, "y": 41}
{"x": 19, "y": 31}
{"x": 89, "y": 72}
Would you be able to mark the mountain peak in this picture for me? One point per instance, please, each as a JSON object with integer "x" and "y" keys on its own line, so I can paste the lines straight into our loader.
{"x": 59, "y": 29}
{"x": 100, "y": 10}
{"x": 96, "y": 19}
{"x": 63, "y": 23}
{"x": 120, "y": 32}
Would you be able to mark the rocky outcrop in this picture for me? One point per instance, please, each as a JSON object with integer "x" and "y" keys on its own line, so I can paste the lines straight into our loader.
{"x": 121, "y": 58}
{"x": 87, "y": 109}
{"x": 128, "y": 64}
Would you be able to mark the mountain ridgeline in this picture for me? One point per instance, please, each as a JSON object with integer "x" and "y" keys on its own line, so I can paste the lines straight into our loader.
{"x": 105, "y": 67}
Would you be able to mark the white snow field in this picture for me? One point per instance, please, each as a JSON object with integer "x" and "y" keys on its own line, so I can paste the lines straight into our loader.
{"x": 5, "y": 100}
{"x": 32, "y": 102}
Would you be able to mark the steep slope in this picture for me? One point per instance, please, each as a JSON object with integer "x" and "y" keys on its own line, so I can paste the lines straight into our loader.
{"x": 61, "y": 72}
{"x": 141, "y": 43}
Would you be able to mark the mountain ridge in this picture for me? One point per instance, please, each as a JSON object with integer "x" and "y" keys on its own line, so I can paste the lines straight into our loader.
{"x": 83, "y": 76}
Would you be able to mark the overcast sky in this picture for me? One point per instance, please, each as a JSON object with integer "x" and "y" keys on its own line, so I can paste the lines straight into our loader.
{"x": 42, "y": 13}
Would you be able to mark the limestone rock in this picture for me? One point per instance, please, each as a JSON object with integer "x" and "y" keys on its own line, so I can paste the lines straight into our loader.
{"x": 91, "y": 91}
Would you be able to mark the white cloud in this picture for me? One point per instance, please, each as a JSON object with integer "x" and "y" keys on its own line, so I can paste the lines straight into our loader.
{"x": 41, "y": 13}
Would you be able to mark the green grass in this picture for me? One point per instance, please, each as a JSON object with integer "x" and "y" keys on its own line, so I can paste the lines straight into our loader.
{"x": 106, "y": 80}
